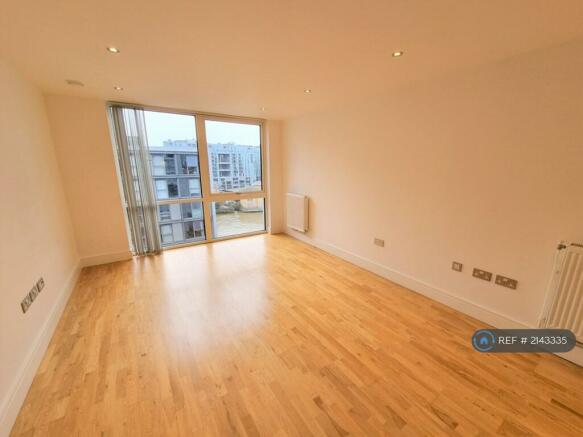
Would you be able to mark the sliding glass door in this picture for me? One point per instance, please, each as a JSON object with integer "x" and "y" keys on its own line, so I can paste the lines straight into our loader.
{"x": 205, "y": 172}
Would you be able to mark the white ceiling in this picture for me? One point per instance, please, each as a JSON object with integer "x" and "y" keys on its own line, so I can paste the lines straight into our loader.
{"x": 237, "y": 56}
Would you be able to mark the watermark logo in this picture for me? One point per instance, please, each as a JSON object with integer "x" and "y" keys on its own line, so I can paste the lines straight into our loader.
{"x": 523, "y": 340}
{"x": 484, "y": 340}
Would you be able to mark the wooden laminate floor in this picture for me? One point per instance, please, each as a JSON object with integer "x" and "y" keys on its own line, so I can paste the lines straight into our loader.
{"x": 268, "y": 336}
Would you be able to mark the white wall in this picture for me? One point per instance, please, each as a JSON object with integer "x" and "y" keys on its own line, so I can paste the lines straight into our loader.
{"x": 36, "y": 239}
{"x": 83, "y": 144}
{"x": 484, "y": 167}
{"x": 275, "y": 176}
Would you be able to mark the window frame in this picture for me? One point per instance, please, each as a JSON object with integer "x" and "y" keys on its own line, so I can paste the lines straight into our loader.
{"x": 207, "y": 197}
{"x": 206, "y": 175}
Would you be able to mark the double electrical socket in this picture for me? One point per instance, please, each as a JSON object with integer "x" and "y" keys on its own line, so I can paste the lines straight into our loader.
{"x": 500, "y": 280}
{"x": 506, "y": 282}
{"x": 487, "y": 276}
{"x": 482, "y": 274}
{"x": 32, "y": 294}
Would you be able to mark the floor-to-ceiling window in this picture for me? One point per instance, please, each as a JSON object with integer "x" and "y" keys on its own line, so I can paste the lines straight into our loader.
{"x": 236, "y": 177}
{"x": 175, "y": 170}
{"x": 206, "y": 173}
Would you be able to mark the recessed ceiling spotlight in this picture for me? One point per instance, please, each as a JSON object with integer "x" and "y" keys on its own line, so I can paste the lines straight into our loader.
{"x": 74, "y": 82}
{"x": 118, "y": 88}
{"x": 397, "y": 54}
{"x": 113, "y": 49}
{"x": 308, "y": 91}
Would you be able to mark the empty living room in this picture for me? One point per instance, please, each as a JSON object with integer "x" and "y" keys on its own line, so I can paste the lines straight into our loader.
{"x": 291, "y": 218}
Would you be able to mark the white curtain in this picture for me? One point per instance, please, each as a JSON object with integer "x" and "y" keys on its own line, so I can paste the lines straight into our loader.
{"x": 134, "y": 163}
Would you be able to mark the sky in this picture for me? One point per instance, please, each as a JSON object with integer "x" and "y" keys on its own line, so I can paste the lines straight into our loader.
{"x": 162, "y": 126}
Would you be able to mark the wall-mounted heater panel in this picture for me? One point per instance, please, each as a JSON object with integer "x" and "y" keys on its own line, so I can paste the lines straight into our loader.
{"x": 297, "y": 212}
{"x": 564, "y": 304}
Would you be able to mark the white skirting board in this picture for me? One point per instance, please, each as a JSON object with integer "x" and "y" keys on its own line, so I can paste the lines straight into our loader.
{"x": 575, "y": 356}
{"x": 9, "y": 411}
{"x": 485, "y": 315}
{"x": 107, "y": 258}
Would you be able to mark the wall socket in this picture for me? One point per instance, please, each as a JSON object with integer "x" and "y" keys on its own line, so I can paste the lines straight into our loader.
{"x": 458, "y": 267}
{"x": 482, "y": 274}
{"x": 32, "y": 294}
{"x": 506, "y": 282}
{"x": 379, "y": 242}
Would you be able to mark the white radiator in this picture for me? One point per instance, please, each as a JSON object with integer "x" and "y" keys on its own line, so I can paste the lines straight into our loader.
{"x": 297, "y": 212}
{"x": 564, "y": 304}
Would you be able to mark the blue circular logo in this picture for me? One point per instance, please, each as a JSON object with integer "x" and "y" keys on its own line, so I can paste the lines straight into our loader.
{"x": 484, "y": 340}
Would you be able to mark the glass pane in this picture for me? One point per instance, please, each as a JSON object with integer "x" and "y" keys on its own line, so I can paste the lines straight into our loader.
{"x": 181, "y": 223}
{"x": 158, "y": 167}
{"x": 161, "y": 189}
{"x": 166, "y": 232}
{"x": 193, "y": 230}
{"x": 234, "y": 151}
{"x": 175, "y": 169}
{"x": 188, "y": 164}
{"x": 166, "y": 188}
{"x": 192, "y": 211}
{"x": 233, "y": 217}
{"x": 170, "y": 212}
{"x": 174, "y": 152}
